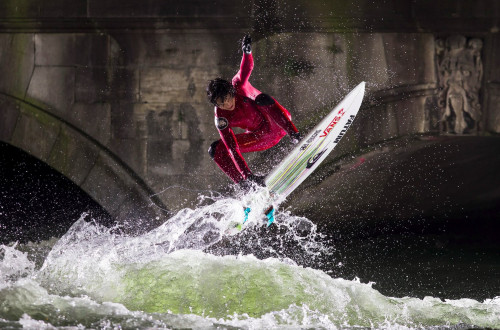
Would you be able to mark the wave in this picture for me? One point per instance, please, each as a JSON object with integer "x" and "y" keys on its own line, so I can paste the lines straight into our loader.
{"x": 188, "y": 274}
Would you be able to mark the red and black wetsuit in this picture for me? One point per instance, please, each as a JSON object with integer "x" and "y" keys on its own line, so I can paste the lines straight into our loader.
{"x": 264, "y": 120}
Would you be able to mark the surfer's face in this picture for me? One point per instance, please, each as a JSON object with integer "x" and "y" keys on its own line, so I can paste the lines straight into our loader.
{"x": 227, "y": 103}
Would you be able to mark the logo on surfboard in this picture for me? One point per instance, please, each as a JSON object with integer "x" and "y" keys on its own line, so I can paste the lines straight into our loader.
{"x": 346, "y": 126}
{"x": 334, "y": 122}
{"x": 311, "y": 161}
{"x": 311, "y": 139}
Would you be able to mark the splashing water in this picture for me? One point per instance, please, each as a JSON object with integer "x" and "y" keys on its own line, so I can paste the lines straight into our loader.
{"x": 188, "y": 274}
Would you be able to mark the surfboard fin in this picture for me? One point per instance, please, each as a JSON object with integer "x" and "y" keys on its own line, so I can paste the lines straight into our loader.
{"x": 247, "y": 211}
{"x": 270, "y": 215}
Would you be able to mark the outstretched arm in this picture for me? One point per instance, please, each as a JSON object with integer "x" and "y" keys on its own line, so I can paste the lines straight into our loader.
{"x": 246, "y": 66}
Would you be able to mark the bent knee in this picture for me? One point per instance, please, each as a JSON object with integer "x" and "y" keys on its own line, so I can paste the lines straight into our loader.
{"x": 213, "y": 147}
{"x": 264, "y": 99}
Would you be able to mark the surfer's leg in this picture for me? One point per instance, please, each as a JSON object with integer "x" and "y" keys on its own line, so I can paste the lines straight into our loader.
{"x": 220, "y": 155}
{"x": 267, "y": 136}
{"x": 247, "y": 142}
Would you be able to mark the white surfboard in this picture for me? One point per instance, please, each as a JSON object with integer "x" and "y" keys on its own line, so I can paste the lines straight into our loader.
{"x": 308, "y": 154}
{"x": 314, "y": 148}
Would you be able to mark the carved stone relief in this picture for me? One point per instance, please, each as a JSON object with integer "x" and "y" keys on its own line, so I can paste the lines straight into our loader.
{"x": 460, "y": 73}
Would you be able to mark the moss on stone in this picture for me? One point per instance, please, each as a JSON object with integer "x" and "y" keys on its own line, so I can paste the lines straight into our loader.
{"x": 60, "y": 155}
{"x": 33, "y": 109}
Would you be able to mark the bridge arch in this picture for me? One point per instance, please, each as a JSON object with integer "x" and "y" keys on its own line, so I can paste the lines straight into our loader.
{"x": 82, "y": 159}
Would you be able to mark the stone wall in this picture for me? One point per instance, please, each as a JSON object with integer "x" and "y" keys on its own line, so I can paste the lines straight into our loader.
{"x": 112, "y": 94}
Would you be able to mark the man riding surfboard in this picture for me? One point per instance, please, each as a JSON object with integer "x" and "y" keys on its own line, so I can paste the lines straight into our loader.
{"x": 239, "y": 104}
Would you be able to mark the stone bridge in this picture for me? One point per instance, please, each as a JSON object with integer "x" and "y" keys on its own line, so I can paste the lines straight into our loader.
{"x": 112, "y": 93}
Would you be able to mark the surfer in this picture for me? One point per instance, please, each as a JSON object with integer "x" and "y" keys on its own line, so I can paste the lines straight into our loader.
{"x": 239, "y": 104}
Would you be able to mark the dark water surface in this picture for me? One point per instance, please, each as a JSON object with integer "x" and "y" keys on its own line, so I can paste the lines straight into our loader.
{"x": 405, "y": 265}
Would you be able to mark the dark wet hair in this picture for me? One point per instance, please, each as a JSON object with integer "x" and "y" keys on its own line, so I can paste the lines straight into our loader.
{"x": 218, "y": 89}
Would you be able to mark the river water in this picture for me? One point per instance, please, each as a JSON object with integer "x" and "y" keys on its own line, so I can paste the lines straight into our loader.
{"x": 188, "y": 274}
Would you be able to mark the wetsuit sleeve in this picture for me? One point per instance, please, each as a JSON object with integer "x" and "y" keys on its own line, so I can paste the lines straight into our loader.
{"x": 282, "y": 117}
{"x": 229, "y": 139}
{"x": 246, "y": 68}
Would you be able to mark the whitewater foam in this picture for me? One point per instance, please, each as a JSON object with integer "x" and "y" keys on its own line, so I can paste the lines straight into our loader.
{"x": 188, "y": 274}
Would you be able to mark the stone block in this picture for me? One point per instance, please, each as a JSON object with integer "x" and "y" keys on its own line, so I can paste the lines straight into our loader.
{"x": 377, "y": 123}
{"x": 441, "y": 10}
{"x": 169, "y": 50}
{"x": 302, "y": 81}
{"x": 93, "y": 119}
{"x": 126, "y": 49}
{"x": 62, "y": 8}
{"x": 123, "y": 121}
{"x": 205, "y": 126}
{"x": 16, "y": 63}
{"x": 208, "y": 167}
{"x": 73, "y": 155}
{"x": 139, "y": 214}
{"x": 36, "y": 132}
{"x": 388, "y": 121}
{"x": 160, "y": 160}
{"x": 180, "y": 148}
{"x": 152, "y": 120}
{"x": 18, "y": 9}
{"x": 123, "y": 84}
{"x": 91, "y": 85}
{"x": 132, "y": 152}
{"x": 180, "y": 191}
{"x": 368, "y": 61}
{"x": 410, "y": 116}
{"x": 163, "y": 85}
{"x": 35, "y": 9}
{"x": 174, "y": 140}
{"x": 493, "y": 117}
{"x": 409, "y": 57}
{"x": 156, "y": 8}
{"x": 432, "y": 114}
{"x": 9, "y": 114}
{"x": 159, "y": 130}
{"x": 54, "y": 87}
{"x": 306, "y": 73}
{"x": 402, "y": 116}
{"x": 491, "y": 58}
{"x": 108, "y": 183}
{"x": 61, "y": 49}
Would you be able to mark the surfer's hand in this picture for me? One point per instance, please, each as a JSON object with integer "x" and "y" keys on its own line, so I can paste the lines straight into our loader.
{"x": 295, "y": 137}
{"x": 258, "y": 179}
{"x": 246, "y": 44}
